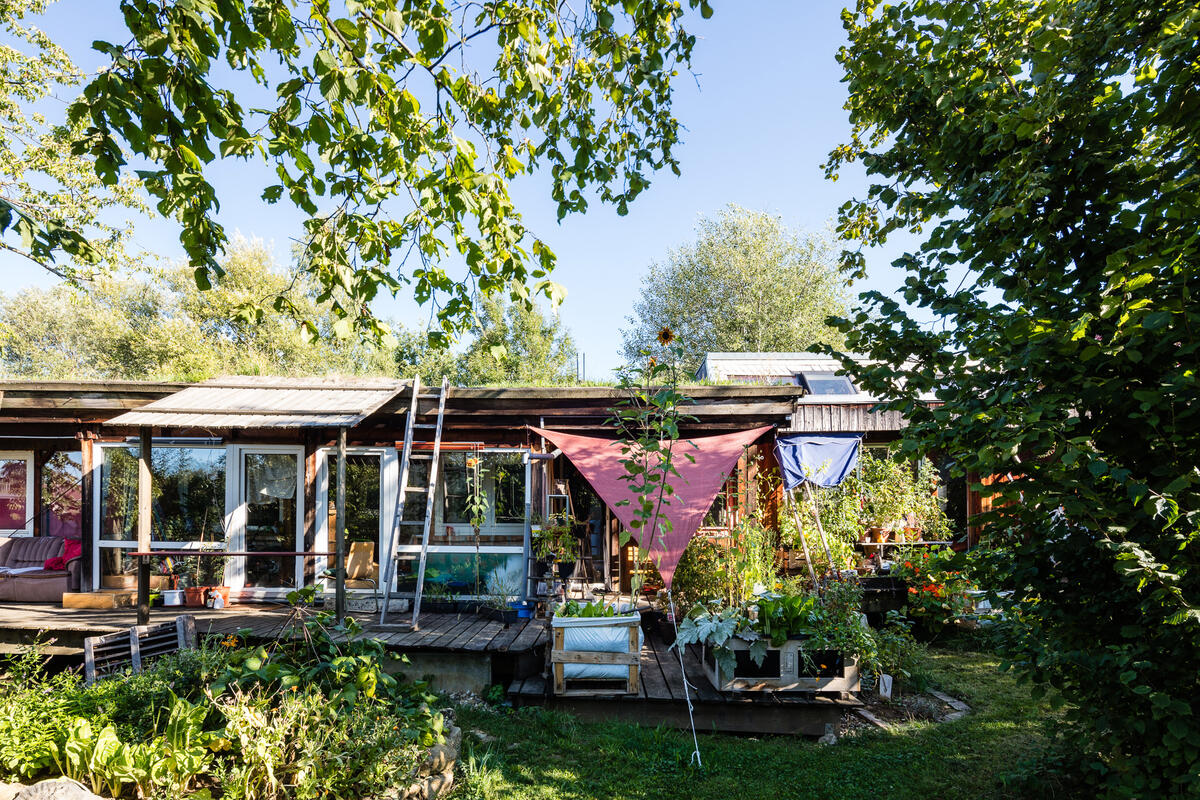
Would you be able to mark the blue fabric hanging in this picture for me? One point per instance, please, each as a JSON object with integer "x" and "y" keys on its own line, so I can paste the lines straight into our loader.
{"x": 824, "y": 461}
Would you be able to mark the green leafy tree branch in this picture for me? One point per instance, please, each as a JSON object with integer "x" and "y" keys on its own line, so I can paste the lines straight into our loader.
{"x": 396, "y": 128}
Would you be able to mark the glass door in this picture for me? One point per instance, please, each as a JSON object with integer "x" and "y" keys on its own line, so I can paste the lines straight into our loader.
{"x": 269, "y": 520}
{"x": 371, "y": 477}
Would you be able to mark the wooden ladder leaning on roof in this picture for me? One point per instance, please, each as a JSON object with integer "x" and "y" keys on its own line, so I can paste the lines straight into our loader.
{"x": 406, "y": 459}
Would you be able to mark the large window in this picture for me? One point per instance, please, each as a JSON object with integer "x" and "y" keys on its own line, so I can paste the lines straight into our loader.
{"x": 187, "y": 490}
{"x": 16, "y": 493}
{"x": 62, "y": 495}
{"x": 364, "y": 474}
{"x": 501, "y": 486}
{"x": 459, "y": 562}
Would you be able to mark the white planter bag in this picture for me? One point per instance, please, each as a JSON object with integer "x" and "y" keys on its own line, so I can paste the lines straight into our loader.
{"x": 597, "y": 635}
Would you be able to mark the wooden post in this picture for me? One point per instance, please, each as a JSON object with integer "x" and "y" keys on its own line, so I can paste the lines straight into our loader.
{"x": 821, "y": 530}
{"x": 86, "y": 531}
{"x": 143, "y": 525}
{"x": 339, "y": 597}
{"x": 803, "y": 540}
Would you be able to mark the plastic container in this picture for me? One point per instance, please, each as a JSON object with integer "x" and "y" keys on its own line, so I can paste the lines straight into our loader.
{"x": 213, "y": 593}
{"x": 173, "y": 597}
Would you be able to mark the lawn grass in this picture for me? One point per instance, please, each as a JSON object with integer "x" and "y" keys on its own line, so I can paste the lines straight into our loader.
{"x": 551, "y": 756}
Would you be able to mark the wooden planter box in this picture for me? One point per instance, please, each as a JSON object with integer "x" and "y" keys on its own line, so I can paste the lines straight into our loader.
{"x": 617, "y": 648}
{"x": 784, "y": 669}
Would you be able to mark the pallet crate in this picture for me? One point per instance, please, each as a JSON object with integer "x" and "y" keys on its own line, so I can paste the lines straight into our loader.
{"x": 560, "y": 656}
{"x": 132, "y": 649}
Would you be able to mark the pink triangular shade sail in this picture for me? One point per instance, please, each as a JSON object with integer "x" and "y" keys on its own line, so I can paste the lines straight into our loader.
{"x": 598, "y": 460}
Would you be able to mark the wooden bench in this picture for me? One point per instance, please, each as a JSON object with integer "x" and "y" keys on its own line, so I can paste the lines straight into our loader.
{"x": 133, "y": 649}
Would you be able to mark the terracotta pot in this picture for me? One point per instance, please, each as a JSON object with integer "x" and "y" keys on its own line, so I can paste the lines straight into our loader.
{"x": 877, "y": 534}
{"x": 912, "y": 534}
{"x": 193, "y": 596}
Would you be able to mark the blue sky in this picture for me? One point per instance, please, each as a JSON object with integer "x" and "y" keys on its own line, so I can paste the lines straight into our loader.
{"x": 762, "y": 113}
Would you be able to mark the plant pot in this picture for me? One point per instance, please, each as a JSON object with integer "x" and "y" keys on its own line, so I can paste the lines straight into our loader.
{"x": 912, "y": 534}
{"x": 156, "y": 600}
{"x": 193, "y": 596}
{"x": 439, "y": 606}
{"x": 877, "y": 534}
{"x": 507, "y": 615}
{"x": 524, "y": 610}
{"x": 173, "y": 597}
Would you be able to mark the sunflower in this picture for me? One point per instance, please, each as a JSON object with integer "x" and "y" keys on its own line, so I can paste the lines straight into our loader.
{"x": 665, "y": 336}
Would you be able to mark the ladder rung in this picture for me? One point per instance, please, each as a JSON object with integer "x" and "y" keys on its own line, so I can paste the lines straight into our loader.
{"x": 424, "y": 425}
{"x": 429, "y": 397}
{"x": 420, "y": 457}
{"x": 416, "y": 488}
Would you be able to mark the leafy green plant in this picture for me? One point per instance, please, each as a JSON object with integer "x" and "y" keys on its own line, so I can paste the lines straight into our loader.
{"x": 937, "y": 586}
{"x": 647, "y": 423}
{"x": 345, "y": 665}
{"x": 715, "y": 628}
{"x": 783, "y": 616}
{"x": 556, "y": 542}
{"x": 595, "y": 608}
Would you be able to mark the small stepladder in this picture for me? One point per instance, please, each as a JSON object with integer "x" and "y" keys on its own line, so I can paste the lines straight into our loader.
{"x": 407, "y": 457}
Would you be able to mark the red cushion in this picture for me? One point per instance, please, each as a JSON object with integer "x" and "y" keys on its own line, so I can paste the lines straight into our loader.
{"x": 72, "y": 548}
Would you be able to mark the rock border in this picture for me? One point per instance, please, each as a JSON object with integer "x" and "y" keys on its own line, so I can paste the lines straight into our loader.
{"x": 960, "y": 709}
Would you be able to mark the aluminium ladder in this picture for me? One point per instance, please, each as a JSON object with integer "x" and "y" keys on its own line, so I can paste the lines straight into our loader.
{"x": 407, "y": 457}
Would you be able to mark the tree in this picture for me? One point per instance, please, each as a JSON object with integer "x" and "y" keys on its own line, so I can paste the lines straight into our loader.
{"x": 161, "y": 327}
{"x": 416, "y": 357}
{"x": 395, "y": 128}
{"x": 517, "y": 344}
{"x": 51, "y": 202}
{"x": 748, "y": 283}
{"x": 1049, "y": 150}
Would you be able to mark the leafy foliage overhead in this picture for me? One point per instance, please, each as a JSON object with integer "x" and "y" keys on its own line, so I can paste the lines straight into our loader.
{"x": 395, "y": 127}
{"x": 51, "y": 201}
{"x": 1048, "y": 150}
{"x": 748, "y": 283}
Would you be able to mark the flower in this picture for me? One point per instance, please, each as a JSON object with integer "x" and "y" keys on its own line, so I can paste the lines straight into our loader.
{"x": 472, "y": 463}
{"x": 665, "y": 336}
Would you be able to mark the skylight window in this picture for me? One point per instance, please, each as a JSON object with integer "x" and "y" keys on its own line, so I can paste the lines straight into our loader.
{"x": 825, "y": 383}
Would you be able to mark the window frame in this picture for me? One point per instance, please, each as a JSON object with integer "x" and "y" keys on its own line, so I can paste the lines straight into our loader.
{"x": 28, "y": 457}
{"x": 803, "y": 376}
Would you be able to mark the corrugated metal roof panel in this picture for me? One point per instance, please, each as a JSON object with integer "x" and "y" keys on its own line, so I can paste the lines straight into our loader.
{"x": 267, "y": 402}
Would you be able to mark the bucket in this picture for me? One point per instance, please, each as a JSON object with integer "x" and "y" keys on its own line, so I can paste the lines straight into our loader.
{"x": 213, "y": 593}
{"x": 172, "y": 597}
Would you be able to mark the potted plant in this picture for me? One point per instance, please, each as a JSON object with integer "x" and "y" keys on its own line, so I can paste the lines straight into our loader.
{"x": 556, "y": 543}
{"x": 503, "y": 587}
{"x": 437, "y": 598}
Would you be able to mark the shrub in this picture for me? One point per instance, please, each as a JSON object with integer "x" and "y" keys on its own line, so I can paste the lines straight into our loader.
{"x": 937, "y": 590}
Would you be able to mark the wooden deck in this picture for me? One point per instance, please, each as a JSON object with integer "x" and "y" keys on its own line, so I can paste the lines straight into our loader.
{"x": 21, "y": 624}
{"x": 661, "y": 700}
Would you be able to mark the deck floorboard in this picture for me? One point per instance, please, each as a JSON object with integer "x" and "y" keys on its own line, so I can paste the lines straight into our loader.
{"x": 23, "y": 622}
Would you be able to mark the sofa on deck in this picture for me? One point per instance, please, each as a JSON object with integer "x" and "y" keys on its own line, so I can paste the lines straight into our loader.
{"x": 23, "y": 574}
